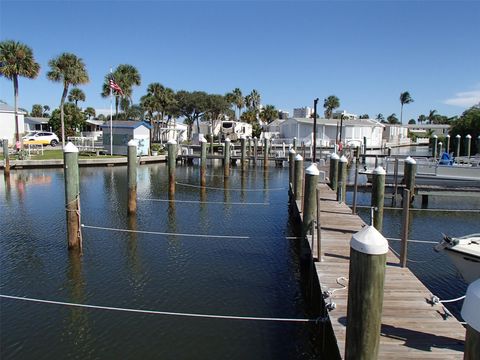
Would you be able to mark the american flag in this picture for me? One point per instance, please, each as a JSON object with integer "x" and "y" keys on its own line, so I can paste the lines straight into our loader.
{"x": 115, "y": 87}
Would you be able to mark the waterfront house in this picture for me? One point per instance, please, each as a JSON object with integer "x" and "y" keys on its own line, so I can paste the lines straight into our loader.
{"x": 7, "y": 122}
{"x": 36, "y": 124}
{"x": 123, "y": 132}
{"x": 395, "y": 134}
{"x": 429, "y": 129}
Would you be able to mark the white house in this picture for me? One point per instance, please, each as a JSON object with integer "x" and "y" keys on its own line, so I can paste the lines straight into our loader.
{"x": 353, "y": 131}
{"x": 123, "y": 132}
{"x": 7, "y": 123}
{"x": 395, "y": 134}
{"x": 36, "y": 123}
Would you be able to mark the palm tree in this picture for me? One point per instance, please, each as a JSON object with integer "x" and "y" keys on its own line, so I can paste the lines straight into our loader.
{"x": 76, "y": 95}
{"x": 268, "y": 114}
{"x": 69, "y": 70}
{"x": 329, "y": 104}
{"x": 405, "y": 98}
{"x": 90, "y": 112}
{"x": 238, "y": 100}
{"x": 421, "y": 119}
{"x": 16, "y": 59}
{"x": 380, "y": 117}
{"x": 252, "y": 101}
{"x": 392, "y": 119}
{"x": 46, "y": 109}
{"x": 431, "y": 116}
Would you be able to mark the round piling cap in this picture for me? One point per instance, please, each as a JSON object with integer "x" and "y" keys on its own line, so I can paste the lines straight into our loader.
{"x": 448, "y": 136}
{"x": 343, "y": 159}
{"x": 243, "y": 136}
{"x": 227, "y": 140}
{"x": 298, "y": 157}
{"x": 334, "y": 156}
{"x": 440, "y": 143}
{"x": 132, "y": 142}
{"x": 468, "y": 136}
{"x": 70, "y": 148}
{"x": 410, "y": 160}
{"x": 172, "y": 142}
{"x": 291, "y": 151}
{"x": 435, "y": 136}
{"x": 379, "y": 171}
{"x": 202, "y": 139}
{"x": 458, "y": 136}
{"x": 471, "y": 304}
{"x": 369, "y": 241}
{"x": 294, "y": 138}
{"x": 254, "y": 137}
{"x": 312, "y": 170}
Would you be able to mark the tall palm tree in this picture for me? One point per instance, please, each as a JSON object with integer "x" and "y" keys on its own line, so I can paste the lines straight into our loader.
{"x": 16, "y": 59}
{"x": 329, "y": 104}
{"x": 67, "y": 69}
{"x": 268, "y": 114}
{"x": 380, "y": 117}
{"x": 405, "y": 98}
{"x": 76, "y": 95}
{"x": 238, "y": 100}
{"x": 431, "y": 116}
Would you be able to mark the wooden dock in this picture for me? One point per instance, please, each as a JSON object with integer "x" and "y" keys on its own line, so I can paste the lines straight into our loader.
{"x": 411, "y": 327}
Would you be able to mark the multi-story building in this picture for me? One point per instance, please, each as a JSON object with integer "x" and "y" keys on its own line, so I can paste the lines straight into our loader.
{"x": 304, "y": 112}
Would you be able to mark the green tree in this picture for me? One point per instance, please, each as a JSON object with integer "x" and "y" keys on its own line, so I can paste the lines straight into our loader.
{"x": 67, "y": 69}
{"x": 364, "y": 116}
{"x": 16, "y": 59}
{"x": 191, "y": 105}
{"x": 380, "y": 118}
{"x": 73, "y": 119}
{"x": 431, "y": 116}
{"x": 421, "y": 119}
{"x": 253, "y": 100}
{"x": 236, "y": 98}
{"x": 412, "y": 122}
{"x": 468, "y": 124}
{"x": 37, "y": 110}
{"x": 76, "y": 95}
{"x": 89, "y": 112}
{"x": 392, "y": 119}
{"x": 158, "y": 100}
{"x": 329, "y": 104}
{"x": 405, "y": 98}
{"x": 45, "y": 113}
{"x": 268, "y": 114}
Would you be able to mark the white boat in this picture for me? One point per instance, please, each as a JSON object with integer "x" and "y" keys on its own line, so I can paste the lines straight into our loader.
{"x": 464, "y": 252}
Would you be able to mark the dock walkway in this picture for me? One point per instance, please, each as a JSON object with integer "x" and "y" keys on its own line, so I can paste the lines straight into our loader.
{"x": 411, "y": 327}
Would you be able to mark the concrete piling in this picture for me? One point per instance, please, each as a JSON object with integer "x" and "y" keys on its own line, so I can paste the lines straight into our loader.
{"x": 132, "y": 176}
{"x": 435, "y": 145}
{"x": 469, "y": 144}
{"x": 447, "y": 146}
{"x": 378, "y": 196}
{"x": 409, "y": 173}
{"x": 368, "y": 254}
{"x": 72, "y": 197}
{"x": 298, "y": 180}
{"x": 471, "y": 315}
{"x": 333, "y": 175}
{"x": 342, "y": 179}
{"x": 203, "y": 161}
{"x": 458, "y": 137}
{"x": 310, "y": 198}
{"x": 226, "y": 158}
{"x": 405, "y": 227}
{"x": 172, "y": 159}
{"x": 291, "y": 166}
{"x": 6, "y": 156}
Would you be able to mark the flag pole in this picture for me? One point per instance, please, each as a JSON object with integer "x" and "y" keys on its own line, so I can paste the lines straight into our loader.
{"x": 111, "y": 115}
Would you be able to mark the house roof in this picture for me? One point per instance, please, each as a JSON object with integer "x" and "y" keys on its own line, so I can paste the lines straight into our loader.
{"x": 129, "y": 124}
{"x": 36, "y": 120}
{"x": 10, "y": 109}
{"x": 334, "y": 122}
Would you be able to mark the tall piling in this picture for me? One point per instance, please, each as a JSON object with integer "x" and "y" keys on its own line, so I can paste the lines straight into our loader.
{"x": 298, "y": 181}
{"x": 434, "y": 149}
{"x": 172, "y": 159}
{"x": 364, "y": 150}
{"x": 226, "y": 158}
{"x": 405, "y": 227}
{"x": 203, "y": 161}
{"x": 265, "y": 153}
{"x": 469, "y": 145}
{"x": 294, "y": 144}
{"x": 471, "y": 315}
{"x": 132, "y": 176}
{"x": 310, "y": 198}
{"x": 478, "y": 144}
{"x": 291, "y": 166}
{"x": 243, "y": 156}
{"x": 342, "y": 179}
{"x": 409, "y": 173}
{"x": 368, "y": 254}
{"x": 72, "y": 197}
{"x": 378, "y": 196}
{"x": 447, "y": 146}
{"x": 458, "y": 137}
{"x": 6, "y": 157}
{"x": 333, "y": 174}
{"x": 255, "y": 150}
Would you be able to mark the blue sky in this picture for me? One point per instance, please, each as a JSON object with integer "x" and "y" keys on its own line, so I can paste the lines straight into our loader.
{"x": 364, "y": 52}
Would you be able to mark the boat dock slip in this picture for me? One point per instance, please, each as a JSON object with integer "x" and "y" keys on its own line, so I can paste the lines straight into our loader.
{"x": 411, "y": 328}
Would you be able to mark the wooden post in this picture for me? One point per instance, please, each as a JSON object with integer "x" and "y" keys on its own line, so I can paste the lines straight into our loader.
{"x": 226, "y": 158}
{"x": 434, "y": 150}
{"x": 172, "y": 159}
{"x": 319, "y": 228}
{"x": 368, "y": 254}
{"x": 72, "y": 197}
{"x": 409, "y": 173}
{"x": 265, "y": 153}
{"x": 355, "y": 189}
{"x": 243, "y": 156}
{"x": 458, "y": 137}
{"x": 471, "y": 315}
{"x": 333, "y": 175}
{"x": 378, "y": 196}
{"x": 395, "y": 182}
{"x": 255, "y": 150}
{"x": 478, "y": 144}
{"x": 469, "y": 144}
{"x": 310, "y": 198}
{"x": 298, "y": 180}
{"x": 6, "y": 156}
{"x": 405, "y": 226}
{"x": 210, "y": 132}
{"x": 132, "y": 176}
{"x": 291, "y": 166}
{"x": 303, "y": 150}
{"x": 294, "y": 144}
{"x": 364, "y": 149}
{"x": 203, "y": 161}
{"x": 342, "y": 179}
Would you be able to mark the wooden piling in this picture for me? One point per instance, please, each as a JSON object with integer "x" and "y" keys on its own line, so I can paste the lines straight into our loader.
{"x": 355, "y": 189}
{"x": 72, "y": 197}
{"x": 405, "y": 227}
{"x": 172, "y": 158}
{"x": 255, "y": 150}
{"x": 333, "y": 175}
{"x": 434, "y": 149}
{"x": 368, "y": 253}
{"x": 132, "y": 176}
{"x": 6, "y": 157}
{"x": 304, "y": 154}
{"x": 378, "y": 196}
{"x": 243, "y": 156}
{"x": 310, "y": 198}
{"x": 342, "y": 179}
{"x": 409, "y": 173}
{"x": 294, "y": 144}
{"x": 364, "y": 150}
{"x": 203, "y": 161}
{"x": 319, "y": 228}
{"x": 265, "y": 153}
{"x": 291, "y": 166}
{"x": 471, "y": 315}
{"x": 298, "y": 180}
{"x": 226, "y": 158}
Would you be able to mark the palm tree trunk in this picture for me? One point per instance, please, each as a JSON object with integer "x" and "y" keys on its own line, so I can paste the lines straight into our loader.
{"x": 62, "y": 114}
{"x": 401, "y": 115}
{"x": 15, "y": 92}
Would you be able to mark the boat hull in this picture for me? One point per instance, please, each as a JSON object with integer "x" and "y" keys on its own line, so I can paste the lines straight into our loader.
{"x": 467, "y": 264}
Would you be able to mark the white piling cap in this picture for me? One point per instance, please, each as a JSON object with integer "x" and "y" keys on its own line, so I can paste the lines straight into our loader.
{"x": 312, "y": 170}
{"x": 291, "y": 151}
{"x": 440, "y": 143}
{"x": 448, "y": 136}
{"x": 202, "y": 139}
{"x": 458, "y": 136}
{"x": 70, "y": 148}
{"x": 435, "y": 136}
{"x": 343, "y": 159}
{"x": 298, "y": 157}
{"x": 470, "y": 312}
{"x": 294, "y": 138}
{"x": 243, "y": 136}
{"x": 133, "y": 142}
{"x": 334, "y": 156}
{"x": 410, "y": 160}
{"x": 379, "y": 171}
{"x": 227, "y": 140}
{"x": 369, "y": 241}
{"x": 468, "y": 136}
{"x": 172, "y": 142}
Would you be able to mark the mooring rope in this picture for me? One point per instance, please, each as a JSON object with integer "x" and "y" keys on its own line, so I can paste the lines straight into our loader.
{"x": 205, "y": 202}
{"x": 416, "y": 209}
{"x": 227, "y": 189}
{"x": 169, "y": 313}
{"x": 415, "y": 241}
{"x": 164, "y": 233}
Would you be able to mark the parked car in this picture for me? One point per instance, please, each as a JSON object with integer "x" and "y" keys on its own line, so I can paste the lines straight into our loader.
{"x": 41, "y": 138}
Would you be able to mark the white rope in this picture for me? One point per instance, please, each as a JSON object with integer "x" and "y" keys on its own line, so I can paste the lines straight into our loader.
{"x": 415, "y": 241}
{"x": 206, "y": 202}
{"x": 416, "y": 209}
{"x": 330, "y": 291}
{"x": 164, "y": 233}
{"x": 227, "y": 189}
{"x": 154, "y": 312}
{"x": 452, "y": 300}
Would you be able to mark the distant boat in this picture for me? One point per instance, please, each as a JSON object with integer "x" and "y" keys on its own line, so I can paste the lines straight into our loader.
{"x": 464, "y": 252}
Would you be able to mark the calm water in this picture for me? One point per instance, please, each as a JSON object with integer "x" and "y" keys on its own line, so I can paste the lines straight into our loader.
{"x": 258, "y": 276}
